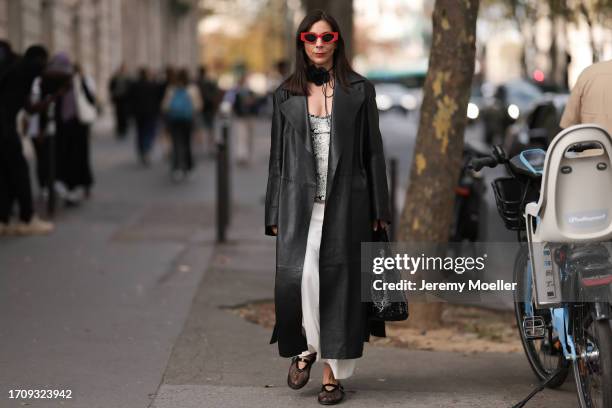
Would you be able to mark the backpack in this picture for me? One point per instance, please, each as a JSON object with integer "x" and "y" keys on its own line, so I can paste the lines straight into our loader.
{"x": 180, "y": 107}
{"x": 243, "y": 102}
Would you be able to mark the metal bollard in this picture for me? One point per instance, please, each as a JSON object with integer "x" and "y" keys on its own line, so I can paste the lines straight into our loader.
{"x": 223, "y": 198}
{"x": 393, "y": 188}
{"x": 228, "y": 159}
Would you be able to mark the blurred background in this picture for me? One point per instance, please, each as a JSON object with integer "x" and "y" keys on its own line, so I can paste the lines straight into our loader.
{"x": 529, "y": 53}
{"x": 132, "y": 247}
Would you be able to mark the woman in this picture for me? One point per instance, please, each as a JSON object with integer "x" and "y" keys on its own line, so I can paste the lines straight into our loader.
{"x": 326, "y": 193}
{"x": 69, "y": 154}
{"x": 118, "y": 88}
{"x": 244, "y": 107}
{"x": 181, "y": 103}
{"x": 16, "y": 77}
{"x": 83, "y": 92}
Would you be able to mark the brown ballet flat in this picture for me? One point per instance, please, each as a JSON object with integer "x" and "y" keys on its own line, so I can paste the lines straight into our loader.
{"x": 331, "y": 396}
{"x": 298, "y": 377}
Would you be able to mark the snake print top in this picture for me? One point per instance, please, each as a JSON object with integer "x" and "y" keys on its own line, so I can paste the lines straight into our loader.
{"x": 320, "y": 133}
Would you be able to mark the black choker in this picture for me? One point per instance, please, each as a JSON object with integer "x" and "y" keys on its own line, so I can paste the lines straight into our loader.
{"x": 318, "y": 75}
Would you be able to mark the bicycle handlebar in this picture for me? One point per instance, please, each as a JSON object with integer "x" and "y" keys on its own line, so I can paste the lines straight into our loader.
{"x": 479, "y": 163}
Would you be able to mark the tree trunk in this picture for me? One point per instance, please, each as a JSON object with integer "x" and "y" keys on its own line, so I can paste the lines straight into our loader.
{"x": 342, "y": 11}
{"x": 438, "y": 151}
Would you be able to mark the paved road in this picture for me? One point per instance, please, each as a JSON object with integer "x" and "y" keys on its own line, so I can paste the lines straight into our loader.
{"x": 399, "y": 134}
{"x": 128, "y": 305}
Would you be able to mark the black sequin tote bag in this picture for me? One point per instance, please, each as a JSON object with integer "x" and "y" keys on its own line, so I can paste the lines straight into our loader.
{"x": 387, "y": 306}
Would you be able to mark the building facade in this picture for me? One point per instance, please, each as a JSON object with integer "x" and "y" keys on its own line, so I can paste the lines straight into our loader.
{"x": 102, "y": 34}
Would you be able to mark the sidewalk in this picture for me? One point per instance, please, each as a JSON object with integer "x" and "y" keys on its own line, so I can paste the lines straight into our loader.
{"x": 96, "y": 306}
{"x": 126, "y": 304}
{"x": 221, "y": 360}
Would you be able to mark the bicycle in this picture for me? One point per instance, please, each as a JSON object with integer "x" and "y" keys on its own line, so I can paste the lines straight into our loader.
{"x": 562, "y": 301}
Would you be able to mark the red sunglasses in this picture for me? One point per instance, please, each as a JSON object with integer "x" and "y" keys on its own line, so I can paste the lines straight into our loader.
{"x": 327, "y": 38}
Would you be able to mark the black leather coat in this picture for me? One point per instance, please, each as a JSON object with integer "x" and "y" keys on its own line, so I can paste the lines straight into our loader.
{"x": 356, "y": 194}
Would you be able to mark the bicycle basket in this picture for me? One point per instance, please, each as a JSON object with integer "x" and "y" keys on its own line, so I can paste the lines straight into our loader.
{"x": 509, "y": 193}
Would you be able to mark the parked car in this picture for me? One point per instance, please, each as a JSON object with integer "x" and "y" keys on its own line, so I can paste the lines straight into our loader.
{"x": 398, "y": 90}
{"x": 395, "y": 96}
{"x": 504, "y": 104}
{"x": 538, "y": 126}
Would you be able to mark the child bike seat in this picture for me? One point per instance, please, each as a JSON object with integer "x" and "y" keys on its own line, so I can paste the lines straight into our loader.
{"x": 575, "y": 203}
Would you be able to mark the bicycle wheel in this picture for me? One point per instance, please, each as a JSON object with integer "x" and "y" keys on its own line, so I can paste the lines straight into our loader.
{"x": 544, "y": 355}
{"x": 593, "y": 367}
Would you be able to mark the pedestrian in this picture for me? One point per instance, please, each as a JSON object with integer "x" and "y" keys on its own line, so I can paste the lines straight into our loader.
{"x": 7, "y": 57}
{"x": 16, "y": 77}
{"x": 210, "y": 95}
{"x": 84, "y": 92}
{"x": 167, "y": 78}
{"x": 145, "y": 100}
{"x": 320, "y": 218}
{"x": 119, "y": 87}
{"x": 181, "y": 103}
{"x": 164, "y": 80}
{"x": 69, "y": 122}
{"x": 42, "y": 128}
{"x": 244, "y": 109}
{"x": 274, "y": 79}
{"x": 589, "y": 101}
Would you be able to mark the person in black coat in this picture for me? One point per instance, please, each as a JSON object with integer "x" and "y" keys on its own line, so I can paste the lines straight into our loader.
{"x": 326, "y": 193}
{"x": 210, "y": 95}
{"x": 119, "y": 87}
{"x": 145, "y": 97}
{"x": 69, "y": 151}
{"x": 16, "y": 77}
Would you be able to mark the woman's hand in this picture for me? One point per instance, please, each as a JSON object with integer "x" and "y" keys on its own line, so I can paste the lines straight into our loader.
{"x": 379, "y": 224}
{"x": 275, "y": 230}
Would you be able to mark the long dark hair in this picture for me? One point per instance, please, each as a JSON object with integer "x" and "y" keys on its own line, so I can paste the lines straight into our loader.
{"x": 297, "y": 83}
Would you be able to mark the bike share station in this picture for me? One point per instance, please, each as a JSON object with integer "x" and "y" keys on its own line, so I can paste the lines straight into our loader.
{"x": 559, "y": 201}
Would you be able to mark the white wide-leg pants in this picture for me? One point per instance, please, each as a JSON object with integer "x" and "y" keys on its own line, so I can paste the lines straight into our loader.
{"x": 342, "y": 368}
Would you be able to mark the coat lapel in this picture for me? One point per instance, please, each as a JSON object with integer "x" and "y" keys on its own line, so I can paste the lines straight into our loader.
{"x": 295, "y": 110}
{"x": 345, "y": 107}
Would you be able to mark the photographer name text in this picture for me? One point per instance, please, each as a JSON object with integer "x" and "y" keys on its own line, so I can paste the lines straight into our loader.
{"x": 460, "y": 287}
